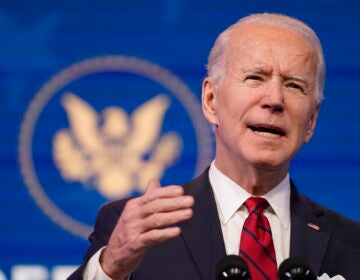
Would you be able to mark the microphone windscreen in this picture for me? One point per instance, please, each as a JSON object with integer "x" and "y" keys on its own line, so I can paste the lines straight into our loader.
{"x": 232, "y": 267}
{"x": 295, "y": 269}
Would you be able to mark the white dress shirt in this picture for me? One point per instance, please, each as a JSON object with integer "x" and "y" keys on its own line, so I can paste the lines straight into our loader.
{"x": 230, "y": 199}
{"x": 93, "y": 269}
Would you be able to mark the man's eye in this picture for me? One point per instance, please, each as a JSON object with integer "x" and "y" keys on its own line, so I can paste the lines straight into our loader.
{"x": 254, "y": 78}
{"x": 295, "y": 86}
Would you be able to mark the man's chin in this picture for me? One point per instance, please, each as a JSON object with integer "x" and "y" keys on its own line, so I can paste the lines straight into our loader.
{"x": 270, "y": 164}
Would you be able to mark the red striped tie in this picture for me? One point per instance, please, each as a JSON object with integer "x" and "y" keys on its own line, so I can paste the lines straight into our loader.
{"x": 256, "y": 244}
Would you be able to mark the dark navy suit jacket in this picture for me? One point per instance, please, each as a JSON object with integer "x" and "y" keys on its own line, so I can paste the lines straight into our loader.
{"x": 333, "y": 248}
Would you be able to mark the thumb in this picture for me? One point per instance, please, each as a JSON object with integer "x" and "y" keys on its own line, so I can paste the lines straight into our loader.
{"x": 153, "y": 184}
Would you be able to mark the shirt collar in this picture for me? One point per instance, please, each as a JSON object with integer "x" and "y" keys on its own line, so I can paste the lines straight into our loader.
{"x": 230, "y": 196}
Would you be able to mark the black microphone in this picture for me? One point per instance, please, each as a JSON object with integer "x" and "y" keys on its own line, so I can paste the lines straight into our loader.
{"x": 232, "y": 267}
{"x": 295, "y": 269}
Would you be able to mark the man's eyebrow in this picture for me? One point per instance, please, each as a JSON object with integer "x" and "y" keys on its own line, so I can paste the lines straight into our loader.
{"x": 264, "y": 71}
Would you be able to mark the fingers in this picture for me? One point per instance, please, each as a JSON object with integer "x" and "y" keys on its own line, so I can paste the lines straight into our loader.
{"x": 155, "y": 236}
{"x": 155, "y": 191}
{"x": 144, "y": 222}
{"x": 143, "y": 215}
{"x": 160, "y": 200}
{"x": 166, "y": 205}
{"x": 161, "y": 220}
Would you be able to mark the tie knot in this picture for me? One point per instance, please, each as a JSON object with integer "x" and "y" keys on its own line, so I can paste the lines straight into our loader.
{"x": 257, "y": 204}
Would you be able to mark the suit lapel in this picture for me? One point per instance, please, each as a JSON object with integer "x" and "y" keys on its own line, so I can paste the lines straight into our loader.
{"x": 310, "y": 234}
{"x": 202, "y": 234}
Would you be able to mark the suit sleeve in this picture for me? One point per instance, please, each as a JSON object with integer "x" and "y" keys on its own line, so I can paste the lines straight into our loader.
{"x": 104, "y": 226}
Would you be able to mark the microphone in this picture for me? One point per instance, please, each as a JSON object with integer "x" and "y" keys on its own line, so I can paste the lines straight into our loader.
{"x": 232, "y": 267}
{"x": 295, "y": 269}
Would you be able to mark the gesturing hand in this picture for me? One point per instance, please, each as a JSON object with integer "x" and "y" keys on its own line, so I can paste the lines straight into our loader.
{"x": 145, "y": 221}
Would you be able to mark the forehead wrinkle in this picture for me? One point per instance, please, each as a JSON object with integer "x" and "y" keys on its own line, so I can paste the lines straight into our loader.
{"x": 240, "y": 46}
{"x": 263, "y": 70}
{"x": 248, "y": 70}
{"x": 256, "y": 64}
{"x": 306, "y": 70}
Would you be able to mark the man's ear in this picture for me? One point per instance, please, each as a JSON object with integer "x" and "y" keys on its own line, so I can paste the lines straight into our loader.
{"x": 312, "y": 123}
{"x": 208, "y": 98}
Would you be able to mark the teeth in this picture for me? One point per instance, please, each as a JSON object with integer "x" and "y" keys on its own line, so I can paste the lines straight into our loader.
{"x": 268, "y": 134}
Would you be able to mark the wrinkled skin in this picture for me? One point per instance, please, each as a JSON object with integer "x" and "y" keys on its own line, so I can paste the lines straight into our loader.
{"x": 263, "y": 109}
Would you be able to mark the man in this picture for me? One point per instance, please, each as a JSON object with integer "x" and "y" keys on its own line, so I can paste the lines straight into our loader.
{"x": 262, "y": 97}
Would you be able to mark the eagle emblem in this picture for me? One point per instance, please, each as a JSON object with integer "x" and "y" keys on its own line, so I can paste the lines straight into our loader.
{"x": 111, "y": 150}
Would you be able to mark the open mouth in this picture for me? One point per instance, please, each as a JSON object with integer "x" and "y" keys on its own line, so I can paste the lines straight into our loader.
{"x": 268, "y": 130}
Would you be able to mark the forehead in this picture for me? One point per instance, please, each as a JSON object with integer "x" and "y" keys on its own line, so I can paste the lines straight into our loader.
{"x": 256, "y": 41}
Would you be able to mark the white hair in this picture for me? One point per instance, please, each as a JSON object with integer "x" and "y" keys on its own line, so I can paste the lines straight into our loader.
{"x": 217, "y": 58}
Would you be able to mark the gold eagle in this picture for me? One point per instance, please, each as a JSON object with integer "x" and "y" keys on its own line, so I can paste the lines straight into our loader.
{"x": 113, "y": 151}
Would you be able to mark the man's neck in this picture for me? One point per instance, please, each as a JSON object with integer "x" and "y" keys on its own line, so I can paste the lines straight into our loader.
{"x": 257, "y": 180}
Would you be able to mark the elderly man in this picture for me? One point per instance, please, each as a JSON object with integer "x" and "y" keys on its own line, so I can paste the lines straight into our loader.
{"x": 262, "y": 97}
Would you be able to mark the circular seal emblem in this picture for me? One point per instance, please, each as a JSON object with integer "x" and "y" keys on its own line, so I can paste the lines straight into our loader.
{"x": 100, "y": 129}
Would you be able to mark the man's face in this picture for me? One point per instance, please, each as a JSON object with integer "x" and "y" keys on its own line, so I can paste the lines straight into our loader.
{"x": 264, "y": 107}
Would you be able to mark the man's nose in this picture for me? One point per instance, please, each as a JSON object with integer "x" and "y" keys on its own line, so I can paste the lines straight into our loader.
{"x": 273, "y": 97}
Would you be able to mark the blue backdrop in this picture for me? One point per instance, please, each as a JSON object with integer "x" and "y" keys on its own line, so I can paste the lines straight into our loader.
{"x": 79, "y": 79}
